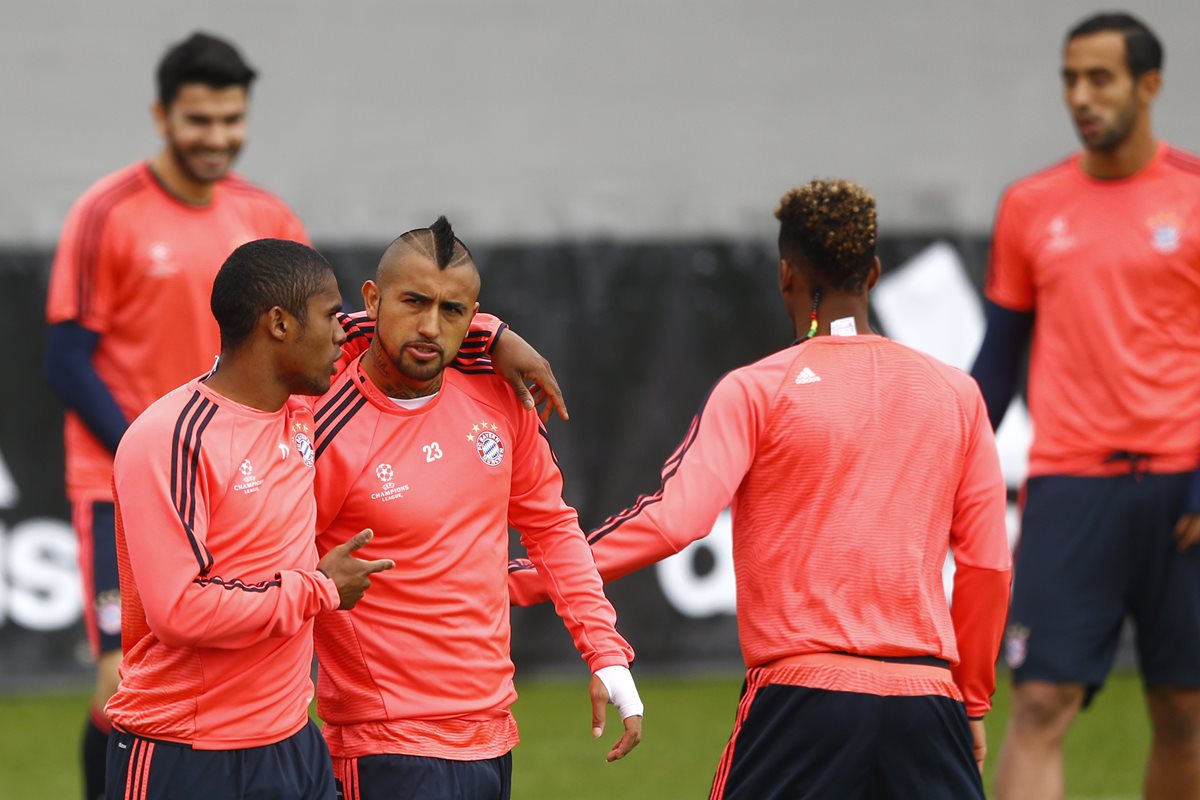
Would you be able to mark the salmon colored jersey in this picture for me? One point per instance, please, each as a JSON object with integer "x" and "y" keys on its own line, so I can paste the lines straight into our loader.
{"x": 217, "y": 560}
{"x": 852, "y": 464}
{"x": 421, "y": 666}
{"x": 136, "y": 265}
{"x": 1112, "y": 270}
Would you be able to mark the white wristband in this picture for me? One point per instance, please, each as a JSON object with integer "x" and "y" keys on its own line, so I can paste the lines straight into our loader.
{"x": 622, "y": 692}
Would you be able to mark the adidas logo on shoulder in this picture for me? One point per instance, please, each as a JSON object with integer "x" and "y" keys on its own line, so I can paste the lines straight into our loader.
{"x": 807, "y": 376}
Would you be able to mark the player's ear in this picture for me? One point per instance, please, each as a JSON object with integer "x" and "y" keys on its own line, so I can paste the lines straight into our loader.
{"x": 1149, "y": 84}
{"x": 370, "y": 293}
{"x": 159, "y": 113}
{"x": 276, "y": 321}
{"x": 874, "y": 273}
{"x": 787, "y": 277}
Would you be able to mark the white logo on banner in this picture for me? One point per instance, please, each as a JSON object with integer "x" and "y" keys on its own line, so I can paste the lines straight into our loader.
{"x": 927, "y": 303}
{"x": 9, "y": 495}
{"x": 39, "y": 575}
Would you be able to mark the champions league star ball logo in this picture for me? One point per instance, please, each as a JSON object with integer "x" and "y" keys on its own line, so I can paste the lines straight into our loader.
{"x": 304, "y": 445}
{"x": 488, "y": 443}
{"x": 384, "y": 473}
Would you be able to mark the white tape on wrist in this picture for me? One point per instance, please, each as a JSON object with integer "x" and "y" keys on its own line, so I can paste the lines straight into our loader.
{"x": 622, "y": 692}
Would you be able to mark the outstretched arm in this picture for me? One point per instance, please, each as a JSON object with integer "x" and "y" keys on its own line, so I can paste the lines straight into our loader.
{"x": 699, "y": 481}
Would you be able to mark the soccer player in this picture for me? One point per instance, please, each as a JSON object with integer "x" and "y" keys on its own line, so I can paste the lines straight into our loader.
{"x": 1098, "y": 259}
{"x": 415, "y": 685}
{"x": 852, "y": 463}
{"x": 219, "y": 574}
{"x": 128, "y": 309}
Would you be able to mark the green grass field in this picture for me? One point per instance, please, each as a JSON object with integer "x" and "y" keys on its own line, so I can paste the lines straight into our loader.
{"x": 687, "y": 725}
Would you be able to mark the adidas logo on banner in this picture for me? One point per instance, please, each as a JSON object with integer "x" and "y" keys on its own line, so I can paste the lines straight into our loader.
{"x": 807, "y": 376}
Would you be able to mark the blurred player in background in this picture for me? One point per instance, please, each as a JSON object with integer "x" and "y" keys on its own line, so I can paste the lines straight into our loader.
{"x": 1098, "y": 257}
{"x": 852, "y": 464}
{"x": 415, "y": 685}
{"x": 129, "y": 316}
{"x": 220, "y": 580}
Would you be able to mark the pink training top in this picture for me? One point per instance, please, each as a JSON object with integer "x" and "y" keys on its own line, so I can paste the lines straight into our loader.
{"x": 136, "y": 265}
{"x": 853, "y": 464}
{"x": 1112, "y": 270}
{"x": 421, "y": 666}
{"x": 218, "y": 571}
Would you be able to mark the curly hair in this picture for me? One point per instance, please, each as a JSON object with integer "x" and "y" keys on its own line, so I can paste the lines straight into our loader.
{"x": 830, "y": 226}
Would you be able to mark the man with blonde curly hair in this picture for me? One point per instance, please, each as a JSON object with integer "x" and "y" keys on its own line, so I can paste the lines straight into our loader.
{"x": 852, "y": 464}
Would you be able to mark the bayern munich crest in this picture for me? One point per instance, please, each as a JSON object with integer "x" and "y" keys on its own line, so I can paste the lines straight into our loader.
{"x": 488, "y": 443}
{"x": 304, "y": 445}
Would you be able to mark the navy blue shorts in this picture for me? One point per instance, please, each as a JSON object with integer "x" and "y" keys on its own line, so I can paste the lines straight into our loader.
{"x": 800, "y": 742}
{"x": 297, "y": 768}
{"x": 386, "y": 777}
{"x": 1093, "y": 551}
{"x": 95, "y": 525}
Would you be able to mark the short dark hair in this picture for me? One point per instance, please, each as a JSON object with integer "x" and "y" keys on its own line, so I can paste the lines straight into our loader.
{"x": 260, "y": 275}
{"x": 1143, "y": 50}
{"x": 202, "y": 58}
{"x": 830, "y": 226}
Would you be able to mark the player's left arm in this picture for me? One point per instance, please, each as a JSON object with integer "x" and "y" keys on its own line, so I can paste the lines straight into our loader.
{"x": 983, "y": 562}
{"x": 550, "y": 532}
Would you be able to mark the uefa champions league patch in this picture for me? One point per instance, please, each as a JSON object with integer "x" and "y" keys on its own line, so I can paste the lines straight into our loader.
{"x": 488, "y": 443}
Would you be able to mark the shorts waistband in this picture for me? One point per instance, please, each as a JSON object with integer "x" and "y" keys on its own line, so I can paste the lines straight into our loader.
{"x": 913, "y": 666}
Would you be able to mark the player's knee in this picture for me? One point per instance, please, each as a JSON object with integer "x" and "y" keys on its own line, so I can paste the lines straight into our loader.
{"x": 1045, "y": 710}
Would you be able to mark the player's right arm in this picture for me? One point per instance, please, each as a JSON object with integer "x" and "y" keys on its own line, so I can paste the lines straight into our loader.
{"x": 78, "y": 308}
{"x": 1008, "y": 312}
{"x": 698, "y": 482}
{"x": 188, "y": 598}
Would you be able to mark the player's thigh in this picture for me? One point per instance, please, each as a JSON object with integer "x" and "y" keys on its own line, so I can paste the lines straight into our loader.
{"x": 296, "y": 768}
{"x": 389, "y": 776}
{"x": 1071, "y": 577}
{"x": 94, "y": 521}
{"x": 800, "y": 742}
{"x": 1165, "y": 597}
{"x": 925, "y": 750}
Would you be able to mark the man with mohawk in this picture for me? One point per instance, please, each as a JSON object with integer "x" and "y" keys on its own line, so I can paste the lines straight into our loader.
{"x": 415, "y": 686}
{"x": 852, "y": 464}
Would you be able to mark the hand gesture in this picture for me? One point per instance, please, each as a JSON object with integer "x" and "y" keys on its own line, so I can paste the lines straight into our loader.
{"x": 352, "y": 575}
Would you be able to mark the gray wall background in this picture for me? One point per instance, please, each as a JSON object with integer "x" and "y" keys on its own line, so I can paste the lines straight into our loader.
{"x": 537, "y": 120}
